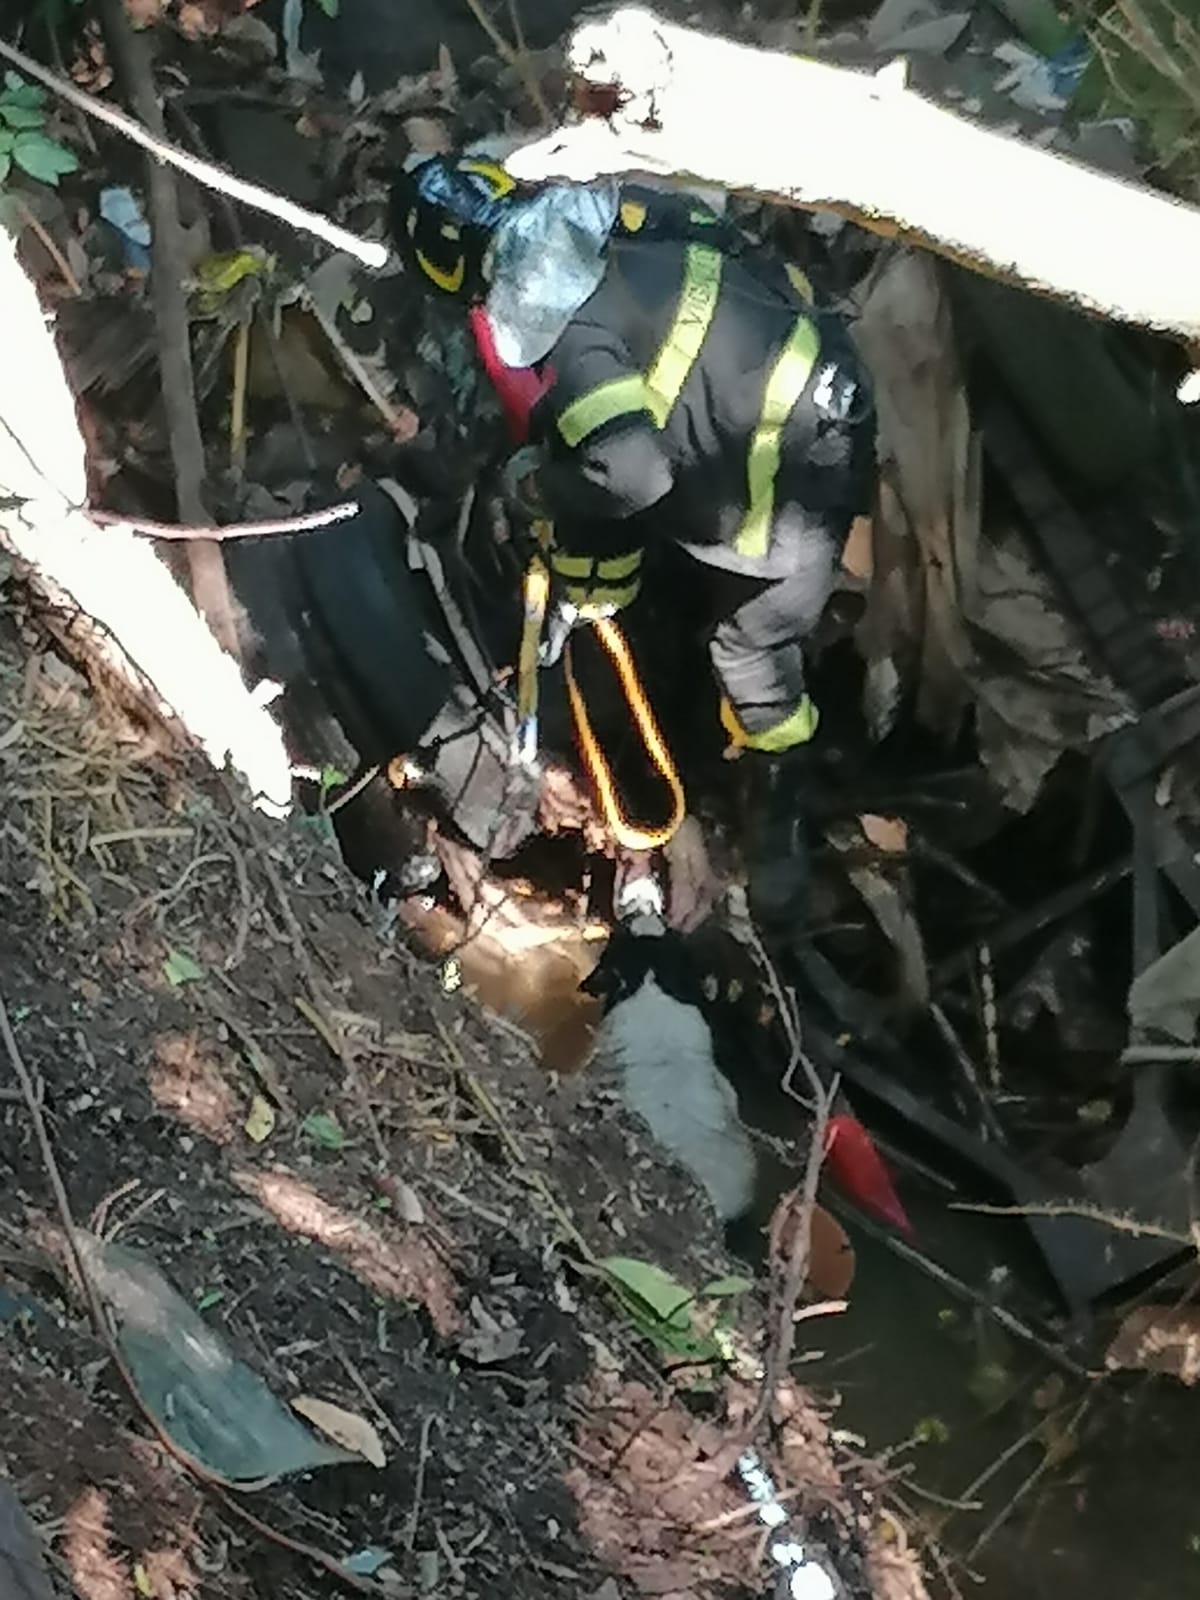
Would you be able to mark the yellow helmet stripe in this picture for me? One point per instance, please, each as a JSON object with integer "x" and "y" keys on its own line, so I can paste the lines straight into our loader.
{"x": 451, "y": 281}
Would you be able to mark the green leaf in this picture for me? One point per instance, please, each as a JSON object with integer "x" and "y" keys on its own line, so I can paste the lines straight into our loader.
{"x": 19, "y": 116}
{"x": 42, "y": 158}
{"x": 180, "y": 968}
{"x": 325, "y": 1129}
{"x": 331, "y": 778}
{"x": 726, "y": 1288}
{"x": 7, "y": 139}
{"x": 23, "y": 93}
{"x": 210, "y": 1298}
{"x": 931, "y": 1430}
{"x": 329, "y": 7}
{"x": 320, "y": 823}
{"x": 661, "y": 1294}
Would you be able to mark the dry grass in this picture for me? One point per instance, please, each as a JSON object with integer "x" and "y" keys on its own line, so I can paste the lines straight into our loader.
{"x": 1147, "y": 67}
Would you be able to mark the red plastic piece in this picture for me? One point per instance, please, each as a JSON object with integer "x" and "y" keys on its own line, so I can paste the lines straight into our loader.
{"x": 519, "y": 388}
{"x": 856, "y": 1166}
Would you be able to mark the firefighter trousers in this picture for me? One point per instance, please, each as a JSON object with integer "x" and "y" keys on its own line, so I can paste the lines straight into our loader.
{"x": 757, "y": 646}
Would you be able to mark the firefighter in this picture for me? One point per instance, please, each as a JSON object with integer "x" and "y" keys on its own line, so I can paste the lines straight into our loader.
{"x": 677, "y": 382}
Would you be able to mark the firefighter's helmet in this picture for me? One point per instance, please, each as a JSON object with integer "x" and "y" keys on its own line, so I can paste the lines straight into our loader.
{"x": 444, "y": 214}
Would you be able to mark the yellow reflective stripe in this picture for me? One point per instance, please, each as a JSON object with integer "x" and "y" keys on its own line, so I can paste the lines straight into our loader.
{"x": 787, "y": 382}
{"x": 593, "y": 597}
{"x": 451, "y": 281}
{"x": 681, "y": 346}
{"x": 610, "y": 567}
{"x": 592, "y": 410}
{"x": 633, "y": 214}
{"x": 502, "y": 182}
{"x": 796, "y": 728}
{"x": 800, "y": 282}
{"x": 618, "y": 567}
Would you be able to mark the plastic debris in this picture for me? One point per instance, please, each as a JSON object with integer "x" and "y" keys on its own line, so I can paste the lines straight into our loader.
{"x": 855, "y": 1163}
{"x": 122, "y": 210}
{"x": 23, "y": 1574}
{"x": 547, "y": 259}
{"x": 806, "y": 1579}
{"x": 212, "y": 1405}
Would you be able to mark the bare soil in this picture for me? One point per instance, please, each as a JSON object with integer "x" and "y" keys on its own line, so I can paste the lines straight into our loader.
{"x": 429, "y": 1273}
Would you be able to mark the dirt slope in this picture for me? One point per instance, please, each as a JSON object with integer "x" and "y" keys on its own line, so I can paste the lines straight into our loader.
{"x": 372, "y": 1193}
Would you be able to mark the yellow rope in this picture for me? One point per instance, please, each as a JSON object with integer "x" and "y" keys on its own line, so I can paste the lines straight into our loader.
{"x": 627, "y": 834}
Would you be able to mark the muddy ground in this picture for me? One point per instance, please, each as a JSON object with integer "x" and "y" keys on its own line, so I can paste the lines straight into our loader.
{"x": 369, "y": 1189}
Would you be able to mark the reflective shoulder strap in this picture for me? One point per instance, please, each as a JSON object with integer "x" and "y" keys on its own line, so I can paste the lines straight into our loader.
{"x": 685, "y": 337}
{"x": 616, "y": 398}
{"x": 786, "y": 382}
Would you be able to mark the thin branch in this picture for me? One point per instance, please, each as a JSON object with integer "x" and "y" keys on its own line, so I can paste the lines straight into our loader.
{"x": 369, "y": 252}
{"x": 791, "y": 1225}
{"x": 516, "y": 56}
{"x": 1141, "y": 1230}
{"x": 210, "y": 583}
{"x": 41, "y": 234}
{"x": 307, "y": 521}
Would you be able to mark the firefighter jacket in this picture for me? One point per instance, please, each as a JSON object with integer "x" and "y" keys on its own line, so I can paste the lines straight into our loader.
{"x": 698, "y": 394}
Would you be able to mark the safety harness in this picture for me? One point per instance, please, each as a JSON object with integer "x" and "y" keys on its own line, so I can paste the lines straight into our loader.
{"x": 630, "y": 835}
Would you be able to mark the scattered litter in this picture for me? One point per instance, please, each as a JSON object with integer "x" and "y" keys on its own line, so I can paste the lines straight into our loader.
{"x": 1164, "y": 1339}
{"x": 366, "y": 1563}
{"x": 179, "y": 968}
{"x": 489, "y": 1341}
{"x": 212, "y": 1405}
{"x": 806, "y": 1579}
{"x": 122, "y": 210}
{"x": 260, "y": 1122}
{"x": 325, "y": 1129}
{"x": 889, "y": 834}
{"x": 345, "y": 1428}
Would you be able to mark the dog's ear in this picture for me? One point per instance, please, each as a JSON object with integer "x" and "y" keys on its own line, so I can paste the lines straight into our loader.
{"x": 598, "y": 983}
{"x": 618, "y": 971}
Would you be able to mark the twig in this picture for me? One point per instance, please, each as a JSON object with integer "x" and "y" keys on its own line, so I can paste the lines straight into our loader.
{"x": 1048, "y": 1460}
{"x": 30, "y": 221}
{"x": 518, "y": 1157}
{"x": 332, "y": 1036}
{"x": 364, "y": 1389}
{"x": 262, "y": 321}
{"x": 1143, "y": 1055}
{"x": 1002, "y": 1460}
{"x": 989, "y": 1125}
{"x": 965, "y": 1291}
{"x": 990, "y": 1016}
{"x": 790, "y": 1247}
{"x": 516, "y": 57}
{"x": 370, "y": 253}
{"x": 399, "y": 423}
{"x": 352, "y": 792}
{"x": 211, "y": 1481}
{"x": 414, "y": 1516}
{"x": 1025, "y": 924}
{"x": 210, "y": 584}
{"x": 237, "y": 404}
{"x": 1068, "y": 1208}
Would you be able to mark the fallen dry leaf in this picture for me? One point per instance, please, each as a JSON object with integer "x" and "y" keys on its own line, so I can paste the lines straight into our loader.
{"x": 830, "y": 1257}
{"x": 858, "y": 557}
{"x": 885, "y": 833}
{"x": 1162, "y": 1339}
{"x": 260, "y": 1122}
{"x": 346, "y": 1428}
